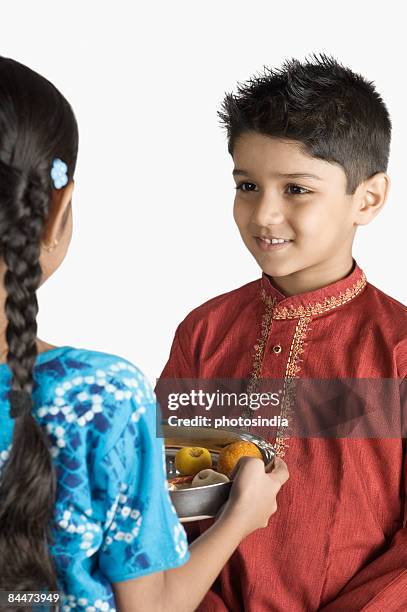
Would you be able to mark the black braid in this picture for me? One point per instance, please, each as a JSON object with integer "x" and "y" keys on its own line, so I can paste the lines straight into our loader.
{"x": 28, "y": 484}
{"x": 21, "y": 253}
{"x": 37, "y": 125}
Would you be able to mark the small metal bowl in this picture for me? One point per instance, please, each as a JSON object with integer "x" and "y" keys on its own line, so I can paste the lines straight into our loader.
{"x": 197, "y": 503}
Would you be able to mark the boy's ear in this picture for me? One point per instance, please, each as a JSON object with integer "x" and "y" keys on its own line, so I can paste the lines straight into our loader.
{"x": 372, "y": 196}
{"x": 58, "y": 213}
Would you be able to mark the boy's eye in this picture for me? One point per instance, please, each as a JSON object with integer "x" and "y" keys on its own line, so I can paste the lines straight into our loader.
{"x": 242, "y": 184}
{"x": 303, "y": 192}
{"x": 298, "y": 190}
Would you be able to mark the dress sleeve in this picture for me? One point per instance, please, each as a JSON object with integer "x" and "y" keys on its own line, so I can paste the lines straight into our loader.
{"x": 142, "y": 532}
{"x": 180, "y": 371}
{"x": 181, "y": 362}
{"x": 382, "y": 584}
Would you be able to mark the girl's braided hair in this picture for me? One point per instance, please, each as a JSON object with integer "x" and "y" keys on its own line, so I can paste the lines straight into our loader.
{"x": 37, "y": 125}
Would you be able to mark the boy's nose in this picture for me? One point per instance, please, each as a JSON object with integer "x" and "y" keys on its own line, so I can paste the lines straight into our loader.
{"x": 268, "y": 211}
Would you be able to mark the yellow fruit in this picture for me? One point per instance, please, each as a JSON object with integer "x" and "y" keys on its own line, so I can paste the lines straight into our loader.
{"x": 230, "y": 455}
{"x": 192, "y": 459}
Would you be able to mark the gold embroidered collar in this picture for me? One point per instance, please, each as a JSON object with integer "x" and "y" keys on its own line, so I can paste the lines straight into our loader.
{"x": 312, "y": 303}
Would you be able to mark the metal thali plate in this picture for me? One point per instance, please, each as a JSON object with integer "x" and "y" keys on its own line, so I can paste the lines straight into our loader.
{"x": 205, "y": 502}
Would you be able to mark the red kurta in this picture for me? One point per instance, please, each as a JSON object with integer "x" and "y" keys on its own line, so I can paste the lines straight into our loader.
{"x": 338, "y": 541}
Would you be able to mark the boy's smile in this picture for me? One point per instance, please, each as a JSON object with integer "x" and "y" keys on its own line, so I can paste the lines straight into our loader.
{"x": 282, "y": 193}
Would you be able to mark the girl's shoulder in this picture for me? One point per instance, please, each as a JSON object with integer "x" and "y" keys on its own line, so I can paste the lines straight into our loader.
{"x": 69, "y": 360}
{"x": 80, "y": 390}
{"x": 67, "y": 367}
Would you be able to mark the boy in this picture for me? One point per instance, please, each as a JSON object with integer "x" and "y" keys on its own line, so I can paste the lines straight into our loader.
{"x": 310, "y": 145}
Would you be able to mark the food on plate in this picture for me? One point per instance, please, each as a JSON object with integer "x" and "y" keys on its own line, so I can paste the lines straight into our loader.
{"x": 194, "y": 464}
{"x": 230, "y": 455}
{"x": 208, "y": 477}
{"x": 180, "y": 482}
{"x": 192, "y": 459}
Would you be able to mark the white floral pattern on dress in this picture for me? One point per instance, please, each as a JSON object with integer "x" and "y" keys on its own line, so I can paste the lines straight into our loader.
{"x": 113, "y": 516}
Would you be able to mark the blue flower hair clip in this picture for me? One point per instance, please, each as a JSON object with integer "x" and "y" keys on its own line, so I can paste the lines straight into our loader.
{"x": 59, "y": 173}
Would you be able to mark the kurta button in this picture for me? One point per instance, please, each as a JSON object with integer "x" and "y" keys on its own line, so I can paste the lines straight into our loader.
{"x": 277, "y": 348}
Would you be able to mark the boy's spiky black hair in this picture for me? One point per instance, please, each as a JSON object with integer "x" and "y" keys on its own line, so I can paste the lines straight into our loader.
{"x": 336, "y": 114}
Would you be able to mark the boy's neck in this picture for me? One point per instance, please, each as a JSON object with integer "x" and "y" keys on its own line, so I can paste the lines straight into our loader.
{"x": 315, "y": 277}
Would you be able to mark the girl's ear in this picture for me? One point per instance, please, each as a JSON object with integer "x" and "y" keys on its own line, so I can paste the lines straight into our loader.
{"x": 58, "y": 214}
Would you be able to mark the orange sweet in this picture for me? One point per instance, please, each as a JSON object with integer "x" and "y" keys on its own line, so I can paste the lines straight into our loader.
{"x": 230, "y": 455}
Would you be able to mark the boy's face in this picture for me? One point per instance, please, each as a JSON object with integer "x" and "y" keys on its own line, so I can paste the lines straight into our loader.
{"x": 314, "y": 214}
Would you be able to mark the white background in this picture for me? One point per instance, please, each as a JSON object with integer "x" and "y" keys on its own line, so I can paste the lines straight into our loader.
{"x": 153, "y": 229}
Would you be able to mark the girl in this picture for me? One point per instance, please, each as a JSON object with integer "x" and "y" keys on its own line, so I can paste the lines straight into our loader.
{"x": 84, "y": 506}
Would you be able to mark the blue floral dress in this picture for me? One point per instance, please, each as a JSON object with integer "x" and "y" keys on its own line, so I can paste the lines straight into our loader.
{"x": 113, "y": 516}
